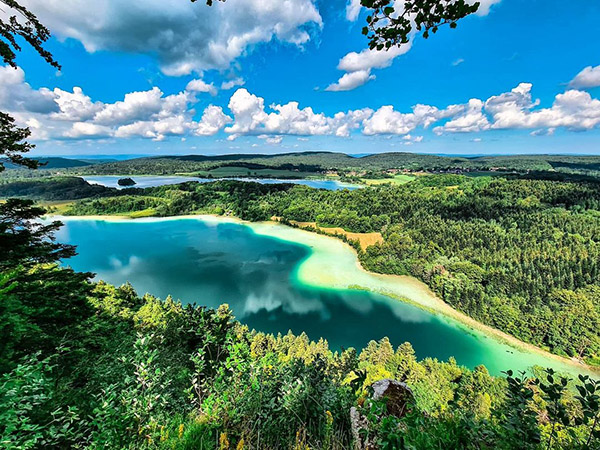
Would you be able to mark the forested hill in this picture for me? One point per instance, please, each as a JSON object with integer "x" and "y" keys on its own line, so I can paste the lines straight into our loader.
{"x": 51, "y": 163}
{"x": 341, "y": 163}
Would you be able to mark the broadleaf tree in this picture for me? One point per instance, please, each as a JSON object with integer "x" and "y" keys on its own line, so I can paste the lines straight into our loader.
{"x": 19, "y": 24}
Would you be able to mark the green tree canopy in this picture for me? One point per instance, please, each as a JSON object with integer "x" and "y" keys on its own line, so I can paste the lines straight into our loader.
{"x": 389, "y": 27}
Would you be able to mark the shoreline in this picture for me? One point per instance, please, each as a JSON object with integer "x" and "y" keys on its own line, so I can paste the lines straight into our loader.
{"x": 441, "y": 309}
{"x": 392, "y": 286}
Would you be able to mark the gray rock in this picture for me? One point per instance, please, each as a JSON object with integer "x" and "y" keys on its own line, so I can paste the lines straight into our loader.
{"x": 400, "y": 398}
{"x": 399, "y": 402}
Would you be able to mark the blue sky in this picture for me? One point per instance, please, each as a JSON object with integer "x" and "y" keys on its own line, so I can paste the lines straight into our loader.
{"x": 151, "y": 77}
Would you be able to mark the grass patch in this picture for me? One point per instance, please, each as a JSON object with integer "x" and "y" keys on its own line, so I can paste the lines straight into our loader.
{"x": 398, "y": 179}
{"x": 149, "y": 212}
{"x": 57, "y": 207}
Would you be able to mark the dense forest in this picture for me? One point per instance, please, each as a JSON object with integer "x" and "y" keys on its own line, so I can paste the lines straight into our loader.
{"x": 90, "y": 365}
{"x": 324, "y": 161}
{"x": 311, "y": 163}
{"x": 518, "y": 254}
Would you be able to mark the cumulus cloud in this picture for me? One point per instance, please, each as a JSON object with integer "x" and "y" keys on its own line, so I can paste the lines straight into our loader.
{"x": 135, "y": 106}
{"x": 509, "y": 109}
{"x": 156, "y": 130}
{"x": 358, "y": 66}
{"x": 351, "y": 80}
{"x": 87, "y": 130}
{"x": 230, "y": 84}
{"x": 411, "y": 138}
{"x": 17, "y": 95}
{"x": 573, "y": 110}
{"x": 75, "y": 106}
{"x": 250, "y": 117}
{"x": 371, "y": 59}
{"x": 185, "y": 36}
{"x": 201, "y": 86}
{"x": 470, "y": 120}
{"x": 213, "y": 120}
{"x": 248, "y": 112}
{"x": 59, "y": 114}
{"x": 388, "y": 121}
{"x": 587, "y": 78}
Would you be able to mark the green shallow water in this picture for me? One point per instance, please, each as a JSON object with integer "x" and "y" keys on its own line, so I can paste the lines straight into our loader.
{"x": 276, "y": 279}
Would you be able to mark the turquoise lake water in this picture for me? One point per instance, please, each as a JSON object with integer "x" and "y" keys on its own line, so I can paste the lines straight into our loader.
{"x": 210, "y": 263}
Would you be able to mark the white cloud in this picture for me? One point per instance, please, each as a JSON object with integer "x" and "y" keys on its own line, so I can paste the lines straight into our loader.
{"x": 458, "y": 62}
{"x": 371, "y": 59}
{"x": 58, "y": 114}
{"x": 248, "y": 112}
{"x": 484, "y": 6}
{"x": 587, "y": 78}
{"x": 17, "y": 95}
{"x": 509, "y": 109}
{"x": 353, "y": 10}
{"x": 410, "y": 138}
{"x": 574, "y": 110}
{"x": 288, "y": 119}
{"x": 87, "y": 130}
{"x": 213, "y": 120}
{"x": 351, "y": 80}
{"x": 201, "y": 86}
{"x": 388, "y": 121}
{"x": 543, "y": 132}
{"x": 230, "y": 84}
{"x": 471, "y": 120}
{"x": 75, "y": 106}
{"x": 157, "y": 130}
{"x": 273, "y": 140}
{"x": 135, "y": 106}
{"x": 358, "y": 66}
{"x": 185, "y": 36}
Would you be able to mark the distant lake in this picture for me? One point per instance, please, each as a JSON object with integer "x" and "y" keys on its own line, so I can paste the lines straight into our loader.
{"x": 210, "y": 262}
{"x": 151, "y": 181}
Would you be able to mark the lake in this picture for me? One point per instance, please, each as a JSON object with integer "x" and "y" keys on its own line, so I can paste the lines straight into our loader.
{"x": 274, "y": 285}
{"x": 145, "y": 181}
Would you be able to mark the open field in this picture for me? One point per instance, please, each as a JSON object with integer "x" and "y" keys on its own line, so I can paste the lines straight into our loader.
{"x": 365, "y": 239}
{"x": 398, "y": 179}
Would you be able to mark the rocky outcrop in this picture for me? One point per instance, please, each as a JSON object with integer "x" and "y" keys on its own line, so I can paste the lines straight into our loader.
{"x": 399, "y": 397}
{"x": 399, "y": 401}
